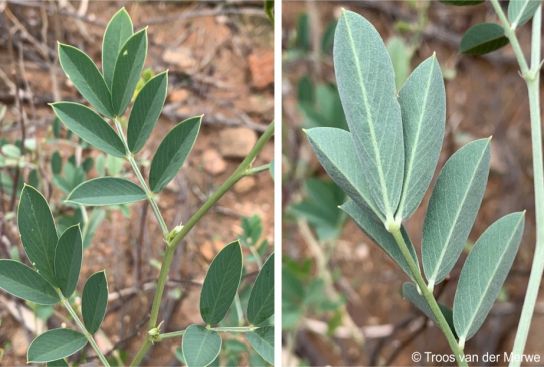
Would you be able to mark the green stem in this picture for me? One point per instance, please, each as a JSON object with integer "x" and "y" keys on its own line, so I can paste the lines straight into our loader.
{"x": 148, "y": 193}
{"x": 233, "y": 329}
{"x": 177, "y": 238}
{"x": 429, "y": 297}
{"x": 537, "y": 269}
{"x": 82, "y": 328}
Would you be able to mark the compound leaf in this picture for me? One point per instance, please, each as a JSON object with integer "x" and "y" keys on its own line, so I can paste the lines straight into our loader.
{"x": 366, "y": 83}
{"x": 423, "y": 105}
{"x": 128, "y": 68}
{"x": 147, "y": 109}
{"x": 68, "y": 256}
{"x": 200, "y": 346}
{"x": 262, "y": 340}
{"x": 374, "y": 228}
{"x": 261, "y": 300}
{"x": 221, "y": 283}
{"x": 94, "y": 301}
{"x": 484, "y": 273}
{"x": 55, "y": 344}
{"x": 520, "y": 11}
{"x": 38, "y": 233}
{"x": 118, "y": 31}
{"x": 23, "y": 282}
{"x": 172, "y": 152}
{"x": 483, "y": 38}
{"x": 452, "y": 208}
{"x": 106, "y": 191}
{"x": 90, "y": 127}
{"x": 86, "y": 77}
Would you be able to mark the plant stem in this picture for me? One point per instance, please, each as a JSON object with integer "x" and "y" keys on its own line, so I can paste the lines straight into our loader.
{"x": 233, "y": 329}
{"x": 148, "y": 193}
{"x": 175, "y": 241}
{"x": 537, "y": 269}
{"x": 82, "y": 328}
{"x": 429, "y": 297}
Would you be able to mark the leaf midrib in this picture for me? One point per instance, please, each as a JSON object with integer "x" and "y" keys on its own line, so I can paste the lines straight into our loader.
{"x": 520, "y": 13}
{"x": 408, "y": 176}
{"x": 495, "y": 268}
{"x": 457, "y": 214}
{"x": 371, "y": 122}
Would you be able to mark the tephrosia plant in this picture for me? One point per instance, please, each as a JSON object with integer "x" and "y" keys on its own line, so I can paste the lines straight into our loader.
{"x": 385, "y": 164}
{"x": 56, "y": 258}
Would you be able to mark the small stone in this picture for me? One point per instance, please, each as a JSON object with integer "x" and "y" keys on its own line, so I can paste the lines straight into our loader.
{"x": 181, "y": 57}
{"x": 178, "y": 95}
{"x": 245, "y": 185}
{"x": 213, "y": 163}
{"x": 236, "y": 142}
{"x": 19, "y": 342}
{"x": 261, "y": 67}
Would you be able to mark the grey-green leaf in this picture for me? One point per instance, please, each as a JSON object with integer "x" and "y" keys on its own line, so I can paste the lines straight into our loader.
{"x": 94, "y": 301}
{"x": 374, "y": 228}
{"x": 262, "y": 340}
{"x": 38, "y": 233}
{"x": 55, "y": 344}
{"x": 520, "y": 11}
{"x": 96, "y": 217}
{"x": 483, "y": 38}
{"x": 128, "y": 68}
{"x": 261, "y": 300}
{"x": 86, "y": 77}
{"x": 337, "y": 154}
{"x": 68, "y": 256}
{"x": 90, "y": 127}
{"x": 452, "y": 208}
{"x": 221, "y": 283}
{"x": 410, "y": 292}
{"x": 118, "y": 31}
{"x": 401, "y": 54}
{"x": 484, "y": 273}
{"x": 423, "y": 105}
{"x": 147, "y": 109}
{"x": 172, "y": 152}
{"x": 23, "y": 282}
{"x": 200, "y": 346}
{"x": 106, "y": 191}
{"x": 57, "y": 363}
{"x": 366, "y": 83}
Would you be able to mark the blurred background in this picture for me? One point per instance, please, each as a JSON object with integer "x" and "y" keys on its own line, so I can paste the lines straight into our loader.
{"x": 220, "y": 61}
{"x": 342, "y": 301}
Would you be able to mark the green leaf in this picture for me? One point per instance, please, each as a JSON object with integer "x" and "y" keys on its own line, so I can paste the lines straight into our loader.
{"x": 94, "y": 301}
{"x": 128, "y": 68}
{"x": 262, "y": 340}
{"x": 484, "y": 273}
{"x": 106, "y": 191}
{"x": 147, "y": 109}
{"x": 38, "y": 232}
{"x": 221, "y": 283}
{"x": 375, "y": 229}
{"x": 23, "y": 282}
{"x": 269, "y": 9}
{"x": 68, "y": 256}
{"x": 57, "y": 363}
{"x": 423, "y": 105}
{"x": 96, "y": 217}
{"x": 336, "y": 152}
{"x": 200, "y": 346}
{"x": 520, "y": 11}
{"x": 462, "y": 2}
{"x": 55, "y": 344}
{"x": 86, "y": 77}
{"x": 483, "y": 38}
{"x": 118, "y": 31}
{"x": 90, "y": 127}
{"x": 410, "y": 292}
{"x": 366, "y": 83}
{"x": 56, "y": 163}
{"x": 452, "y": 208}
{"x": 401, "y": 55}
{"x": 172, "y": 152}
{"x": 261, "y": 300}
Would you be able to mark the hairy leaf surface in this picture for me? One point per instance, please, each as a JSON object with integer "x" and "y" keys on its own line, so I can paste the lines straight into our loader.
{"x": 520, "y": 11}
{"x": 200, "y": 346}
